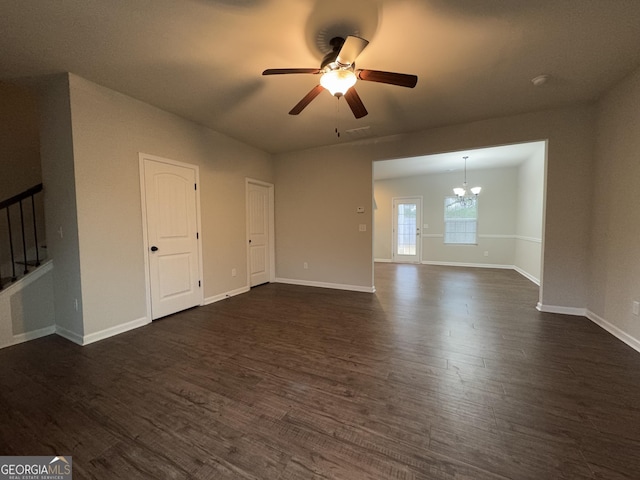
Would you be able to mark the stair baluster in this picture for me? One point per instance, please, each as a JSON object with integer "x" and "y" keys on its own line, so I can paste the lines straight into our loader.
{"x": 6, "y": 205}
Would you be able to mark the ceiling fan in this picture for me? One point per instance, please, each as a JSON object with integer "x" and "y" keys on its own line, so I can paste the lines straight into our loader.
{"x": 339, "y": 75}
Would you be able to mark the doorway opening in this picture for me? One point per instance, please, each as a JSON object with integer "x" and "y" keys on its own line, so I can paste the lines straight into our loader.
{"x": 510, "y": 207}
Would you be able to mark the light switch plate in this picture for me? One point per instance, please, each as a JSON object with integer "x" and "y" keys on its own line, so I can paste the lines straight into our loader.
{"x": 360, "y": 210}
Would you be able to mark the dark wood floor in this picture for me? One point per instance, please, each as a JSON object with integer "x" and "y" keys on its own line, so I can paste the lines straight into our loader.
{"x": 445, "y": 373}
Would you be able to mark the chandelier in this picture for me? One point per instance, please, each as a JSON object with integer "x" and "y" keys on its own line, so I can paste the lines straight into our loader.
{"x": 465, "y": 198}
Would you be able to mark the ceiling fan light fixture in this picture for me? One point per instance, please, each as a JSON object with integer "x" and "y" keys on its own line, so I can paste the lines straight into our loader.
{"x": 338, "y": 81}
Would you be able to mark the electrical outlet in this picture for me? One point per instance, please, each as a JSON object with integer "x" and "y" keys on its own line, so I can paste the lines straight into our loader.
{"x": 636, "y": 308}
{"x": 362, "y": 227}
{"x": 233, "y": 272}
{"x": 305, "y": 265}
{"x": 486, "y": 253}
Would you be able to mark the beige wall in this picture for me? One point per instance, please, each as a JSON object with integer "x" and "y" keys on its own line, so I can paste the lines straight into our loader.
{"x": 569, "y": 132}
{"x": 56, "y": 144}
{"x": 27, "y": 308}
{"x": 317, "y": 194}
{"x": 19, "y": 141}
{"x": 32, "y": 307}
{"x": 109, "y": 130}
{"x": 530, "y": 214}
{"x": 19, "y": 167}
{"x": 615, "y": 234}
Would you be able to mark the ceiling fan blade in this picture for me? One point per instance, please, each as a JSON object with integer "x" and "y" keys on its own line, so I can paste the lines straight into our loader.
{"x": 352, "y": 47}
{"x": 315, "y": 91}
{"x": 392, "y": 78}
{"x": 356, "y": 105}
{"x": 285, "y": 71}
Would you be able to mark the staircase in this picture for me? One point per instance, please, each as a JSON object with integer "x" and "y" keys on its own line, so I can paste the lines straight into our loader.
{"x": 22, "y": 242}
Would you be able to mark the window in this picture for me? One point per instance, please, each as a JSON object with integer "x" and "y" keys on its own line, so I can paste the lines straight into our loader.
{"x": 460, "y": 221}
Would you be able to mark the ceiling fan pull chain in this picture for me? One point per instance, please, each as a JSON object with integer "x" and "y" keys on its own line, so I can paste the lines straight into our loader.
{"x": 338, "y": 117}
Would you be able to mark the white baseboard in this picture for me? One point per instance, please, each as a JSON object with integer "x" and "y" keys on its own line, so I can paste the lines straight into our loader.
{"x": 102, "y": 334}
{"x": 598, "y": 320}
{"x": 382, "y": 260}
{"x": 69, "y": 335}
{"x": 578, "y": 312}
{"x": 473, "y": 265}
{"x": 527, "y": 275}
{"x": 222, "y": 296}
{"x": 32, "y": 335}
{"x": 335, "y": 286}
{"x": 615, "y": 331}
{"x": 110, "y": 332}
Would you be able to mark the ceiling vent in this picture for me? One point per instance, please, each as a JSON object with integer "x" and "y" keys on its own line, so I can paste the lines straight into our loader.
{"x": 360, "y": 132}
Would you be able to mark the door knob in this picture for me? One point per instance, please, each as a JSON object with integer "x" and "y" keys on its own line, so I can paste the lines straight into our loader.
{"x": 154, "y": 249}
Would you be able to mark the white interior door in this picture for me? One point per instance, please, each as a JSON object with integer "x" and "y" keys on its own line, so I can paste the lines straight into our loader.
{"x": 259, "y": 232}
{"x": 170, "y": 201}
{"x": 407, "y": 213}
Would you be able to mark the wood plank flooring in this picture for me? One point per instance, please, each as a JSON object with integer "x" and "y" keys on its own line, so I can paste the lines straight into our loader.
{"x": 444, "y": 373}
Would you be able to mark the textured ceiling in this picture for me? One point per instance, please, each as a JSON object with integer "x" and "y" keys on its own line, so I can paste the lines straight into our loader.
{"x": 202, "y": 59}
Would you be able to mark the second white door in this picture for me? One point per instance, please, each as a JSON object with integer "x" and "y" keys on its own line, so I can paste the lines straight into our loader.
{"x": 259, "y": 232}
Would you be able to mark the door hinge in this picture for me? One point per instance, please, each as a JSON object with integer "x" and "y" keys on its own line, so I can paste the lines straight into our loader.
{"x": 197, "y": 235}
{"x": 199, "y": 283}
{"x": 195, "y": 186}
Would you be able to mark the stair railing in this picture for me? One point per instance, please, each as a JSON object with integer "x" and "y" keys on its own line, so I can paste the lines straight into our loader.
{"x": 6, "y": 205}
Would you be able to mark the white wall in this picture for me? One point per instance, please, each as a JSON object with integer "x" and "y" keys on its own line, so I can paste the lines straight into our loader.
{"x": 614, "y": 250}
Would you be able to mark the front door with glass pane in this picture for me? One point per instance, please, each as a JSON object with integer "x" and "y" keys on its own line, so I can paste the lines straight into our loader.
{"x": 407, "y": 218}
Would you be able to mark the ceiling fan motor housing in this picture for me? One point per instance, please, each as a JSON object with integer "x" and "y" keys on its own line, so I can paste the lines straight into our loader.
{"x": 331, "y": 57}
